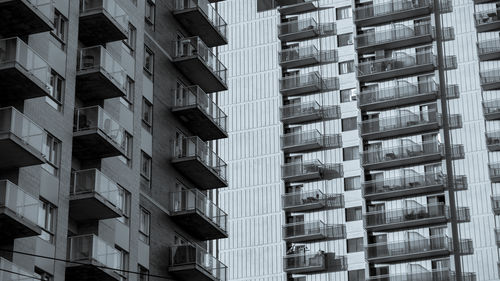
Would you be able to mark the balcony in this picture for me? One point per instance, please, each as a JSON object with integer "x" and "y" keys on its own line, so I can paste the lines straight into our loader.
{"x": 399, "y": 65}
{"x": 190, "y": 262}
{"x": 497, "y": 236}
{"x": 425, "y": 275}
{"x": 25, "y": 17}
{"x": 21, "y": 140}
{"x": 97, "y": 135}
{"x": 199, "y": 18}
{"x": 196, "y": 160}
{"x": 299, "y": 30}
{"x": 311, "y": 200}
{"x": 102, "y": 21}
{"x": 490, "y": 79}
{"x": 198, "y": 215}
{"x": 305, "y": 263}
{"x": 99, "y": 76}
{"x": 398, "y": 37}
{"x": 12, "y": 272}
{"x": 93, "y": 196}
{"x": 312, "y": 231}
{"x": 18, "y": 212}
{"x": 308, "y": 112}
{"x": 23, "y": 73}
{"x": 413, "y": 250}
{"x": 487, "y": 21}
{"x": 195, "y": 60}
{"x": 491, "y": 110}
{"x": 313, "y": 170}
{"x": 93, "y": 257}
{"x": 495, "y": 202}
{"x": 307, "y": 84}
{"x": 488, "y": 50}
{"x": 200, "y": 114}
{"x": 494, "y": 171}
{"x": 306, "y": 56}
{"x": 296, "y": 7}
{"x": 396, "y": 10}
{"x": 307, "y": 141}
{"x": 493, "y": 141}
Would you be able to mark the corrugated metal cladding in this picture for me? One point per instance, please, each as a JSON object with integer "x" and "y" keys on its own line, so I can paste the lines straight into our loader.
{"x": 255, "y": 248}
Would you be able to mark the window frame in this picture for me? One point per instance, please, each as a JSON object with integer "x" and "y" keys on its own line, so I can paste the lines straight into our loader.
{"x": 148, "y": 53}
{"x": 349, "y": 42}
{"x": 53, "y": 156}
{"x": 151, "y": 7}
{"x": 352, "y": 93}
{"x": 47, "y": 213}
{"x": 60, "y": 22}
{"x": 351, "y": 120}
{"x": 354, "y": 181}
{"x": 358, "y": 246}
{"x": 358, "y": 276}
{"x": 343, "y": 11}
{"x": 144, "y": 225}
{"x": 352, "y": 151}
{"x": 353, "y": 214}
{"x": 349, "y": 67}
{"x": 147, "y": 111}
{"x": 131, "y": 40}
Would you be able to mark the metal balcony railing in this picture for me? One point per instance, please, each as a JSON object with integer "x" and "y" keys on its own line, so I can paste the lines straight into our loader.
{"x": 307, "y": 52}
{"x": 306, "y": 25}
{"x": 410, "y": 180}
{"x": 388, "y": 8}
{"x": 404, "y": 119}
{"x": 315, "y": 230}
{"x": 435, "y": 275}
{"x": 399, "y": 60}
{"x": 403, "y": 89}
{"x": 497, "y": 236}
{"x": 94, "y": 181}
{"x": 410, "y": 247}
{"x": 98, "y": 58}
{"x": 208, "y": 10}
{"x": 495, "y": 202}
{"x": 486, "y": 17}
{"x": 111, "y": 7}
{"x": 491, "y": 109}
{"x": 396, "y": 33}
{"x": 312, "y": 79}
{"x": 92, "y": 249}
{"x": 310, "y": 167}
{"x": 494, "y": 171}
{"x": 309, "y": 109}
{"x": 493, "y": 140}
{"x": 184, "y": 255}
{"x": 489, "y": 76}
{"x": 408, "y": 150}
{"x": 488, "y": 46}
{"x": 311, "y": 137}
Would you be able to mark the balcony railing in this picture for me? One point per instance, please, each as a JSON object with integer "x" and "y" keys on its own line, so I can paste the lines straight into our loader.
{"x": 18, "y": 201}
{"x": 191, "y": 255}
{"x": 411, "y": 248}
{"x": 491, "y": 109}
{"x": 309, "y": 231}
{"x": 493, "y": 141}
{"x": 490, "y": 79}
{"x": 392, "y": 10}
{"x": 497, "y": 236}
{"x": 489, "y": 49}
{"x": 298, "y": 263}
{"x": 309, "y": 140}
{"x": 307, "y": 83}
{"x": 494, "y": 171}
{"x": 12, "y": 272}
{"x": 435, "y": 275}
{"x": 305, "y": 56}
{"x": 94, "y": 181}
{"x": 404, "y": 151}
{"x": 487, "y": 20}
{"x": 91, "y": 249}
{"x": 310, "y": 170}
{"x": 302, "y": 29}
{"x": 495, "y": 201}
{"x": 14, "y": 122}
{"x": 308, "y": 112}
{"x": 110, "y": 7}
{"x": 310, "y": 200}
{"x": 296, "y": 7}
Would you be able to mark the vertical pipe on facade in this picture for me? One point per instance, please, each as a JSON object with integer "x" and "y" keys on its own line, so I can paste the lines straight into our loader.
{"x": 447, "y": 141}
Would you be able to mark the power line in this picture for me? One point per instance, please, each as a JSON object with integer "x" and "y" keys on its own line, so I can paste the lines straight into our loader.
{"x": 83, "y": 263}
{"x": 21, "y": 274}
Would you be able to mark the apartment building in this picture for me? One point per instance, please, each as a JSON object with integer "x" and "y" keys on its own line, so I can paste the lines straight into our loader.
{"x": 110, "y": 131}
{"x": 386, "y": 170}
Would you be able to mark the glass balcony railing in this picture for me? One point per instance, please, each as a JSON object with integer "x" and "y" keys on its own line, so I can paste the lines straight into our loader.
{"x": 195, "y": 96}
{"x": 309, "y": 167}
{"x": 12, "y": 272}
{"x": 18, "y": 201}
{"x": 194, "y": 200}
{"x": 403, "y": 119}
{"x": 397, "y": 33}
{"x": 14, "y": 50}
{"x": 309, "y": 109}
{"x": 493, "y": 140}
{"x": 297, "y": 26}
{"x": 183, "y": 255}
{"x": 95, "y": 118}
{"x": 208, "y": 10}
{"x": 495, "y": 201}
{"x": 497, "y": 236}
{"x": 303, "y": 199}
{"x": 110, "y": 7}
{"x": 91, "y": 249}
{"x": 14, "y": 122}
{"x": 410, "y": 180}
{"x": 490, "y": 76}
{"x": 435, "y": 275}
{"x": 312, "y": 79}
{"x": 486, "y": 17}
{"x": 94, "y": 181}
{"x": 402, "y": 89}
{"x": 194, "y": 46}
{"x": 411, "y": 247}
{"x": 407, "y": 150}
{"x": 98, "y": 58}
{"x": 46, "y": 7}
{"x": 488, "y": 46}
{"x": 491, "y": 107}
{"x": 399, "y": 60}
{"x": 311, "y": 137}
{"x": 305, "y": 53}
{"x": 305, "y": 262}
{"x": 388, "y": 8}
{"x": 195, "y": 147}
{"x": 401, "y": 216}
{"x": 312, "y": 230}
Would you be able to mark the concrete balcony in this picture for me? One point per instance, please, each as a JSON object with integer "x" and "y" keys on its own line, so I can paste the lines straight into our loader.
{"x": 425, "y": 275}
{"x": 487, "y": 21}
{"x": 198, "y": 215}
{"x": 310, "y": 201}
{"x": 305, "y": 57}
{"x": 97, "y": 135}
{"x": 493, "y": 141}
{"x": 397, "y": 37}
{"x": 191, "y": 262}
{"x": 23, "y": 73}
{"x": 495, "y": 202}
{"x": 304, "y": 29}
{"x": 99, "y": 76}
{"x": 488, "y": 50}
{"x": 308, "y": 112}
{"x": 18, "y": 212}
{"x": 12, "y": 272}
{"x": 199, "y": 18}
{"x": 312, "y": 231}
{"x": 21, "y": 140}
{"x": 305, "y": 263}
{"x": 491, "y": 110}
{"x": 25, "y": 17}
{"x": 196, "y": 160}
{"x": 490, "y": 79}
{"x": 313, "y": 170}
{"x": 494, "y": 171}
{"x": 93, "y": 196}
{"x": 375, "y": 14}
{"x": 200, "y": 65}
{"x": 399, "y": 65}
{"x": 102, "y": 21}
{"x": 296, "y": 7}
{"x": 307, "y": 84}
{"x": 308, "y": 141}
{"x": 200, "y": 113}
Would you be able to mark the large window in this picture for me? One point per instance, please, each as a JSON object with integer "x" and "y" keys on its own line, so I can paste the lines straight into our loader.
{"x": 352, "y": 183}
{"x": 55, "y": 98}
{"x": 356, "y": 275}
{"x": 348, "y": 95}
{"x": 51, "y": 151}
{"x": 46, "y": 219}
{"x": 344, "y": 39}
{"x": 127, "y": 141}
{"x": 147, "y": 115}
{"x": 144, "y": 225}
{"x": 148, "y": 60}
{"x": 349, "y": 124}
{"x": 60, "y": 27}
{"x": 344, "y": 13}
{"x": 355, "y": 245}
{"x": 143, "y": 273}
{"x": 124, "y": 205}
{"x": 353, "y": 214}
{"x": 122, "y": 264}
{"x": 145, "y": 170}
{"x": 131, "y": 39}
{"x": 350, "y": 153}
{"x": 346, "y": 67}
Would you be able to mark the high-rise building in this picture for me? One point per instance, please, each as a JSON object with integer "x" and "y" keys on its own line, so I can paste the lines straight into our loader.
{"x": 110, "y": 126}
{"x": 388, "y": 139}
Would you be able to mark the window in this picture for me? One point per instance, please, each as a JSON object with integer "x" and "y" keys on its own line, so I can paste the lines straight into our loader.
{"x": 143, "y": 273}
{"x": 344, "y": 13}
{"x": 46, "y": 218}
{"x": 355, "y": 245}
{"x": 352, "y": 183}
{"x": 350, "y": 153}
{"x": 356, "y": 275}
{"x": 59, "y": 31}
{"x": 349, "y": 124}
{"x": 145, "y": 170}
{"x": 122, "y": 263}
{"x": 51, "y": 150}
{"x": 128, "y": 150}
{"x": 123, "y": 204}
{"x": 148, "y": 60}
{"x": 145, "y": 221}
{"x": 344, "y": 39}
{"x": 150, "y": 12}
{"x": 42, "y": 275}
{"x": 346, "y": 67}
{"x": 353, "y": 214}
{"x": 348, "y": 95}
{"x": 131, "y": 39}
{"x": 55, "y": 98}
{"x": 128, "y": 100}
{"x": 147, "y": 115}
